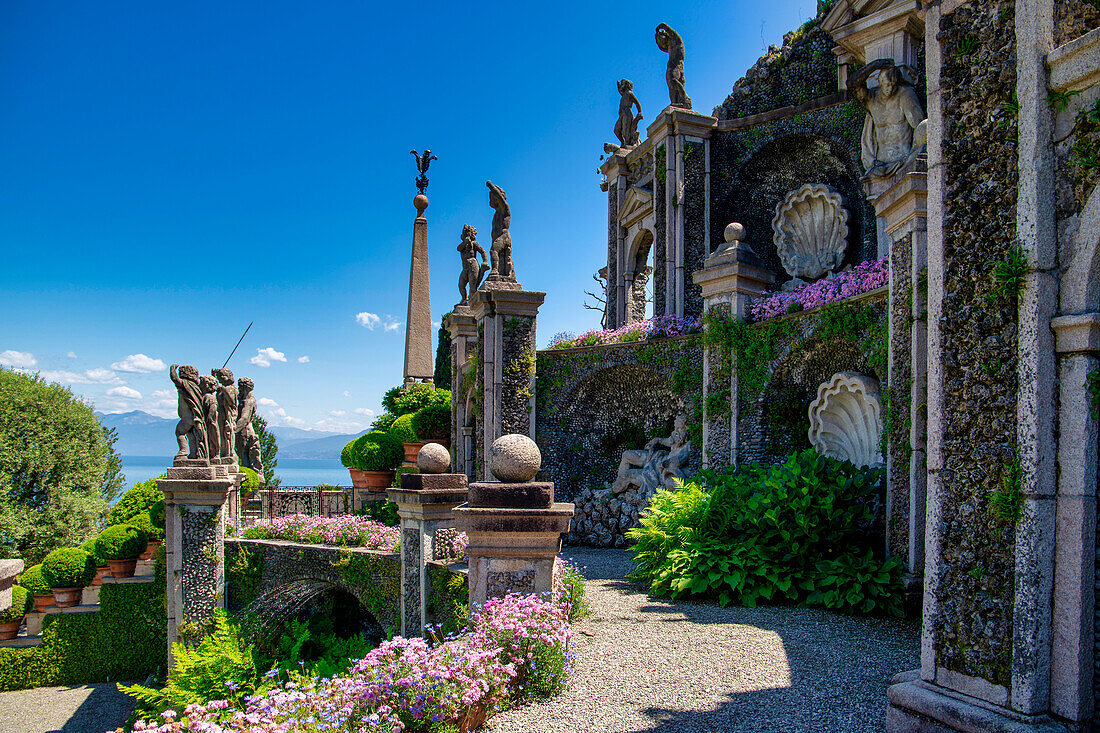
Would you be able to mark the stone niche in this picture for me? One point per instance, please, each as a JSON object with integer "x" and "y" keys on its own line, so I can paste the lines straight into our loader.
{"x": 811, "y": 231}
{"x": 846, "y": 419}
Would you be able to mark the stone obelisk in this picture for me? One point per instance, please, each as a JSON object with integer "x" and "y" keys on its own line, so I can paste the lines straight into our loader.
{"x": 418, "y": 323}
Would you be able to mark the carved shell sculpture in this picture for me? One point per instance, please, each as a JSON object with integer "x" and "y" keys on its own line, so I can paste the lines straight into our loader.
{"x": 810, "y": 228}
{"x": 846, "y": 419}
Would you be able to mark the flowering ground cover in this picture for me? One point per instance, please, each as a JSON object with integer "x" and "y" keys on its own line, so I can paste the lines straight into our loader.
{"x": 651, "y": 328}
{"x": 346, "y": 530}
{"x": 863, "y": 278}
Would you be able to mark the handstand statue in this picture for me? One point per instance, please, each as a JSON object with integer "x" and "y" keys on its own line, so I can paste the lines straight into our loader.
{"x": 472, "y": 271}
{"x": 670, "y": 42}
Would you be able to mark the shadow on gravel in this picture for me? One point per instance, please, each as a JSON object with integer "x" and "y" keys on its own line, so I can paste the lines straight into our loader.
{"x": 105, "y": 709}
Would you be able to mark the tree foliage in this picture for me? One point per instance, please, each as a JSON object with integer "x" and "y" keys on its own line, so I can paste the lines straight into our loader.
{"x": 58, "y": 467}
{"x": 442, "y": 375}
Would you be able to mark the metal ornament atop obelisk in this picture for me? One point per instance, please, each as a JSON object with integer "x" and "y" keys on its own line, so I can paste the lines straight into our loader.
{"x": 418, "y": 322}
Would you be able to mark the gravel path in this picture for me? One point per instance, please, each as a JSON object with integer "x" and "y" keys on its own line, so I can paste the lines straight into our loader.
{"x": 91, "y": 708}
{"x": 651, "y": 665}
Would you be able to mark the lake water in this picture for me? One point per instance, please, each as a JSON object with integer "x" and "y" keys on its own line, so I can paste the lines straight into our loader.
{"x": 290, "y": 471}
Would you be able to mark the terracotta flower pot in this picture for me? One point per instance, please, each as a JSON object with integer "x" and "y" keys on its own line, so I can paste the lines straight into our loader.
{"x": 377, "y": 481}
{"x": 100, "y": 574}
{"x": 66, "y": 597}
{"x": 42, "y": 602}
{"x": 9, "y": 629}
{"x": 150, "y": 550}
{"x": 123, "y": 568}
{"x": 411, "y": 449}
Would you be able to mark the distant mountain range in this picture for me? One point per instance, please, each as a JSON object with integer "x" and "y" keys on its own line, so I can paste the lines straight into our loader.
{"x": 142, "y": 434}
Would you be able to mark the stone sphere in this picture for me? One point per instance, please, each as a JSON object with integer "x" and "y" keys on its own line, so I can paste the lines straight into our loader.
{"x": 514, "y": 458}
{"x": 433, "y": 458}
{"x": 734, "y": 232}
{"x": 420, "y": 201}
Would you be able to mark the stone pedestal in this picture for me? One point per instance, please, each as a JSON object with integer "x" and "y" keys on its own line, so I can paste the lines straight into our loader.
{"x": 462, "y": 326}
{"x": 514, "y": 532}
{"x": 425, "y": 503}
{"x": 195, "y": 496}
{"x": 506, "y": 371}
{"x": 8, "y": 570}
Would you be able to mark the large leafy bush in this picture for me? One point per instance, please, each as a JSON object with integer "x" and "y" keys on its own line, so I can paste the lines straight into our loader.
{"x": 799, "y": 532}
{"x": 121, "y": 542}
{"x": 402, "y": 429}
{"x": 69, "y": 567}
{"x": 377, "y": 451}
{"x": 433, "y": 422}
{"x": 145, "y": 523}
{"x": 138, "y": 498}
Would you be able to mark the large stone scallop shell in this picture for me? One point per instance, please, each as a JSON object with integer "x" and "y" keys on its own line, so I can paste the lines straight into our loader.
{"x": 846, "y": 419}
{"x": 810, "y": 229}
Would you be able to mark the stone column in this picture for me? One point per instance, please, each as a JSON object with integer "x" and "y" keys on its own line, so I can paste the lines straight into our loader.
{"x": 506, "y": 327}
{"x": 418, "y": 322}
{"x": 730, "y": 279}
{"x": 425, "y": 503}
{"x": 615, "y": 170}
{"x": 462, "y": 326}
{"x": 514, "y": 526}
{"x": 195, "y": 494}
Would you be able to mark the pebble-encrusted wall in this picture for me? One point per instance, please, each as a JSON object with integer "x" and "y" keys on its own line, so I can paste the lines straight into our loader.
{"x": 897, "y": 404}
{"x": 410, "y": 552}
{"x": 1073, "y": 19}
{"x": 611, "y": 292}
{"x": 596, "y": 402}
{"x": 518, "y": 363}
{"x": 978, "y": 334}
{"x": 695, "y": 204}
{"x": 202, "y": 533}
{"x": 660, "y": 245}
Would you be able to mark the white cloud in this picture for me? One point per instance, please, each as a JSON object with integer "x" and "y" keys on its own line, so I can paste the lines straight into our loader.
{"x": 267, "y": 402}
{"x": 303, "y": 359}
{"x": 127, "y": 393}
{"x": 364, "y": 411}
{"x": 71, "y": 355}
{"x": 366, "y": 320}
{"x": 338, "y": 413}
{"x": 91, "y": 376}
{"x": 392, "y": 325}
{"x": 266, "y": 355}
{"x": 140, "y": 364}
{"x": 346, "y": 393}
{"x": 436, "y": 324}
{"x": 279, "y": 417}
{"x": 17, "y": 359}
{"x": 338, "y": 426}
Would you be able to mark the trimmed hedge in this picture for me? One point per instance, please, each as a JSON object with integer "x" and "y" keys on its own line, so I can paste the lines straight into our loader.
{"x": 377, "y": 451}
{"x": 402, "y": 429}
{"x": 21, "y": 603}
{"x": 126, "y": 640}
{"x": 139, "y": 498}
{"x": 89, "y": 547}
{"x": 433, "y": 421}
{"x": 145, "y": 523}
{"x": 121, "y": 542}
{"x": 69, "y": 567}
{"x": 33, "y": 580}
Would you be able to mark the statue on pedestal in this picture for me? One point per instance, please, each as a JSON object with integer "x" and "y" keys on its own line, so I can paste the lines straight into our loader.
{"x": 190, "y": 430}
{"x": 209, "y": 387}
{"x": 626, "y": 129}
{"x": 248, "y": 443}
{"x": 472, "y": 271}
{"x": 500, "y": 252}
{"x": 658, "y": 465}
{"x": 895, "y": 129}
{"x": 670, "y": 42}
{"x": 227, "y": 411}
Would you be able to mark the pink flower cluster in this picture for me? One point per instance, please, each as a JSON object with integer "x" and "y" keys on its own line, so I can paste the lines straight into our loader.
{"x": 345, "y": 530}
{"x": 862, "y": 278}
{"x": 658, "y": 327}
{"x": 404, "y": 684}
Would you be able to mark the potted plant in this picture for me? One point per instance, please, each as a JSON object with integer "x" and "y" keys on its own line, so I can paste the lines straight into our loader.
{"x": 402, "y": 429}
{"x": 101, "y": 568}
{"x": 36, "y": 585}
{"x": 156, "y": 535}
{"x": 433, "y": 422}
{"x": 376, "y": 456}
{"x": 11, "y": 618}
{"x": 67, "y": 571}
{"x": 121, "y": 545}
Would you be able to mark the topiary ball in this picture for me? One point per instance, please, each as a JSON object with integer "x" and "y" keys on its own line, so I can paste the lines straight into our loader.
{"x": 33, "y": 580}
{"x": 145, "y": 523}
{"x": 89, "y": 547}
{"x": 121, "y": 542}
{"x": 69, "y": 567}
{"x": 403, "y": 430}
{"x": 21, "y": 603}
{"x": 378, "y": 451}
{"x": 433, "y": 421}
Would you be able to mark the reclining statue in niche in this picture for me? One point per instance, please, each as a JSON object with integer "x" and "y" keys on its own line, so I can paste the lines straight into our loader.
{"x": 658, "y": 465}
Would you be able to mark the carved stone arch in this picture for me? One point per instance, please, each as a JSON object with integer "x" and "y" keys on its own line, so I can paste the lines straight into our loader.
{"x": 637, "y": 274}
{"x": 1080, "y": 286}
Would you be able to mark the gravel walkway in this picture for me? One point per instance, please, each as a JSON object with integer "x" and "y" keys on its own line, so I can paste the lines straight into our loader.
{"x": 91, "y": 708}
{"x": 652, "y": 665}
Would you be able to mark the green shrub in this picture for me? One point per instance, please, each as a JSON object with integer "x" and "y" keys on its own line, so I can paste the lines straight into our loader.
{"x": 145, "y": 523}
{"x": 433, "y": 421}
{"x": 156, "y": 514}
{"x": 89, "y": 547}
{"x": 141, "y": 496}
{"x": 377, "y": 451}
{"x": 121, "y": 542}
{"x": 383, "y": 512}
{"x": 33, "y": 580}
{"x": 21, "y": 604}
{"x": 69, "y": 567}
{"x": 347, "y": 454}
{"x": 251, "y": 480}
{"x": 383, "y": 422}
{"x": 402, "y": 429}
{"x": 792, "y": 533}
{"x": 403, "y": 401}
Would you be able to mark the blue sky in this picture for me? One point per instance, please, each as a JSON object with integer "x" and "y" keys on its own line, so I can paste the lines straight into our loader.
{"x": 171, "y": 171}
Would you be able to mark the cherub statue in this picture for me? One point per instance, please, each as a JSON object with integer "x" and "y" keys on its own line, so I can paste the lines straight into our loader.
{"x": 500, "y": 252}
{"x": 472, "y": 272}
{"x": 422, "y": 163}
{"x": 626, "y": 129}
{"x": 658, "y": 465}
{"x": 209, "y": 387}
{"x": 190, "y": 430}
{"x": 227, "y": 411}
{"x": 670, "y": 42}
{"x": 894, "y": 131}
{"x": 248, "y": 443}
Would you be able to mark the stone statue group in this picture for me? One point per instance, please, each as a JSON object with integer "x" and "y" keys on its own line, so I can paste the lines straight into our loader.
{"x": 216, "y": 417}
{"x": 500, "y": 252}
